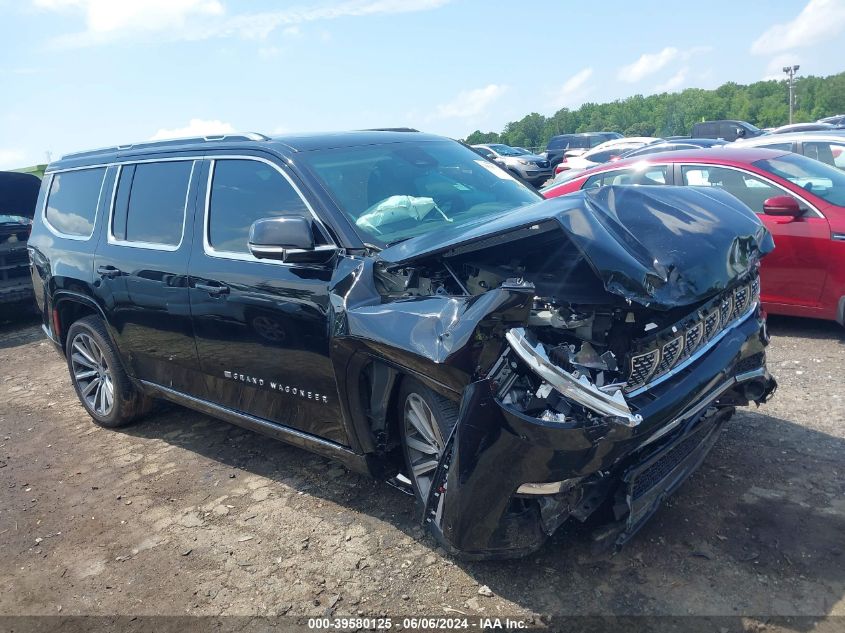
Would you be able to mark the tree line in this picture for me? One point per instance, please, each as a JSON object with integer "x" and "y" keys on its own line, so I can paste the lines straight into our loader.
{"x": 763, "y": 103}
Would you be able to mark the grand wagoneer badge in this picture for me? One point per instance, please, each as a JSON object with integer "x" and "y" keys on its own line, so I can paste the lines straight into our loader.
{"x": 276, "y": 386}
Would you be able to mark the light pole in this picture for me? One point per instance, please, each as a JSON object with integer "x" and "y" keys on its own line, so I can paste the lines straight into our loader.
{"x": 790, "y": 71}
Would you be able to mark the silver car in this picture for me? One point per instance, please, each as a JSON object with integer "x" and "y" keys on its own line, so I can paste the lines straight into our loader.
{"x": 530, "y": 167}
{"x": 826, "y": 146}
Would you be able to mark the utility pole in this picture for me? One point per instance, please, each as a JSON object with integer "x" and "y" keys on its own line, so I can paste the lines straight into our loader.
{"x": 790, "y": 71}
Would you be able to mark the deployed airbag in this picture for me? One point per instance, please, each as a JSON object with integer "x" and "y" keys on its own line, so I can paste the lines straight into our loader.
{"x": 396, "y": 209}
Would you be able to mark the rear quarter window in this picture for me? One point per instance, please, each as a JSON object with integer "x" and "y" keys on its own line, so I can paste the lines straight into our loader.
{"x": 72, "y": 201}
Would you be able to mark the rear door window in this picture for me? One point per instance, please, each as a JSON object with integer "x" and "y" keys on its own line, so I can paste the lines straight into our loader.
{"x": 558, "y": 142}
{"x": 727, "y": 131}
{"x": 150, "y": 203}
{"x": 651, "y": 175}
{"x": 782, "y": 147}
{"x": 72, "y": 201}
{"x": 831, "y": 153}
{"x": 751, "y": 190}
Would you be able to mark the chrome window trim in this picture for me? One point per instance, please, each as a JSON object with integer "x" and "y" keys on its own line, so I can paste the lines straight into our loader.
{"x": 128, "y": 161}
{"x": 207, "y": 247}
{"x": 152, "y": 246}
{"x": 754, "y": 174}
{"x": 67, "y": 236}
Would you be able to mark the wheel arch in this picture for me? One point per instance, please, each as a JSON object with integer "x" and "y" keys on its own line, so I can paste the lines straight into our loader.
{"x": 373, "y": 386}
{"x": 69, "y": 307}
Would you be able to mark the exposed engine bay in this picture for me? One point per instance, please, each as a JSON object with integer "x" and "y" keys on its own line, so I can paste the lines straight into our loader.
{"x": 597, "y": 338}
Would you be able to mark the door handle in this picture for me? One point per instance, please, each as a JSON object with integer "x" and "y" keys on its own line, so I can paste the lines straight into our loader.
{"x": 214, "y": 291}
{"x": 108, "y": 271}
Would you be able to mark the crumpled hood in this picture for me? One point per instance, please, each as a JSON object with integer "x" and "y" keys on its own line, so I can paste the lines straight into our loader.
{"x": 659, "y": 246}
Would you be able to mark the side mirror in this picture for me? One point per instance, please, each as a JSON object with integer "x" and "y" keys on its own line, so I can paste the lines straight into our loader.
{"x": 740, "y": 132}
{"x": 288, "y": 238}
{"x": 784, "y": 206}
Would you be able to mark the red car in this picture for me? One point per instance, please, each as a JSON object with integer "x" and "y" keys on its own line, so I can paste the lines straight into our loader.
{"x": 800, "y": 200}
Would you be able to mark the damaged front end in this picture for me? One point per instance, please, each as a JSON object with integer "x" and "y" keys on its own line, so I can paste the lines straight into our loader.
{"x": 597, "y": 343}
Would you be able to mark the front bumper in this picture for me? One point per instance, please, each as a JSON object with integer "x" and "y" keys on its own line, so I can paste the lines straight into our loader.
{"x": 530, "y": 173}
{"x": 474, "y": 508}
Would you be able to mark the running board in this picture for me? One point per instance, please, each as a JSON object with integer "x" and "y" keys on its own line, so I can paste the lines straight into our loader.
{"x": 325, "y": 448}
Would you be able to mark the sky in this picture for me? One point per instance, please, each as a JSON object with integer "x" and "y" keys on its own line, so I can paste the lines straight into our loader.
{"x": 78, "y": 74}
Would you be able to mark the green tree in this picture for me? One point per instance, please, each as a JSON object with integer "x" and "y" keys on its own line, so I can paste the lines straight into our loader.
{"x": 763, "y": 103}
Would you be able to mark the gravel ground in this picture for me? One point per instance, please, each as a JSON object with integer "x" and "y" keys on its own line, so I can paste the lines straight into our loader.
{"x": 182, "y": 514}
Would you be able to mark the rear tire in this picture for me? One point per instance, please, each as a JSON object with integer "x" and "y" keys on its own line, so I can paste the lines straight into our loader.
{"x": 425, "y": 421}
{"x": 101, "y": 384}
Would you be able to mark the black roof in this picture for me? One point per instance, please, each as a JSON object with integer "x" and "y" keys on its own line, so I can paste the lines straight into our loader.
{"x": 285, "y": 144}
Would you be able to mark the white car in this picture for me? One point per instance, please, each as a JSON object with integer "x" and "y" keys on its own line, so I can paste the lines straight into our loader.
{"x": 604, "y": 152}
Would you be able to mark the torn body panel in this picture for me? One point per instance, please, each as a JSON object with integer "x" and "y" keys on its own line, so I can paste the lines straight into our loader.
{"x": 478, "y": 507}
{"x": 658, "y": 246}
{"x": 581, "y": 337}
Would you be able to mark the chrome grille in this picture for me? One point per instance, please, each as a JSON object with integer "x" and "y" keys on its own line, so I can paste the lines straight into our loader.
{"x": 711, "y": 322}
{"x": 667, "y": 349}
{"x": 692, "y": 338}
{"x": 726, "y": 308}
{"x": 740, "y": 301}
{"x": 670, "y": 353}
{"x": 642, "y": 366}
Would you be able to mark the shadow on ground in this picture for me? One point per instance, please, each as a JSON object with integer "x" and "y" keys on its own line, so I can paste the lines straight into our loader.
{"x": 806, "y": 328}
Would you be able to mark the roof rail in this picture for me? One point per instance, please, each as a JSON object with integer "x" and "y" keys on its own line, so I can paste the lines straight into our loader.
{"x": 390, "y": 129}
{"x": 250, "y": 136}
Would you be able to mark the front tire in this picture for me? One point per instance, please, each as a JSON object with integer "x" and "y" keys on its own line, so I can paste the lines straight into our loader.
{"x": 426, "y": 419}
{"x": 98, "y": 378}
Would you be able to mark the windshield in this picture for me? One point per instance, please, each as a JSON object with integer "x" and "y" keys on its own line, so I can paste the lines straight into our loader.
{"x": 505, "y": 150}
{"x": 400, "y": 190}
{"x": 824, "y": 181}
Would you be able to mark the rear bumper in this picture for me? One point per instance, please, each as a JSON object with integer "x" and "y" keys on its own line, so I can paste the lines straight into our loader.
{"x": 474, "y": 508}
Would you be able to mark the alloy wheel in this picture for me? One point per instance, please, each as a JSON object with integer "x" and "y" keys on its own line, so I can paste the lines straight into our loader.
{"x": 92, "y": 374}
{"x": 423, "y": 441}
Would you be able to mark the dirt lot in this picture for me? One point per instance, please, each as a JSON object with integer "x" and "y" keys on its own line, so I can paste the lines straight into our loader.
{"x": 182, "y": 514}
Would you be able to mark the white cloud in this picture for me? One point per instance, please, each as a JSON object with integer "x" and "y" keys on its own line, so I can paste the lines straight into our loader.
{"x": 110, "y": 20}
{"x": 647, "y": 64}
{"x": 470, "y": 103}
{"x": 674, "y": 82}
{"x": 195, "y": 127}
{"x": 650, "y": 63}
{"x": 820, "y": 20}
{"x": 574, "y": 90}
{"x": 106, "y": 16}
{"x": 12, "y": 158}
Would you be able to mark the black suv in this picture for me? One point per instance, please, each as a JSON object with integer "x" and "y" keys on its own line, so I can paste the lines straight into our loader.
{"x": 393, "y": 301}
{"x": 728, "y": 130}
